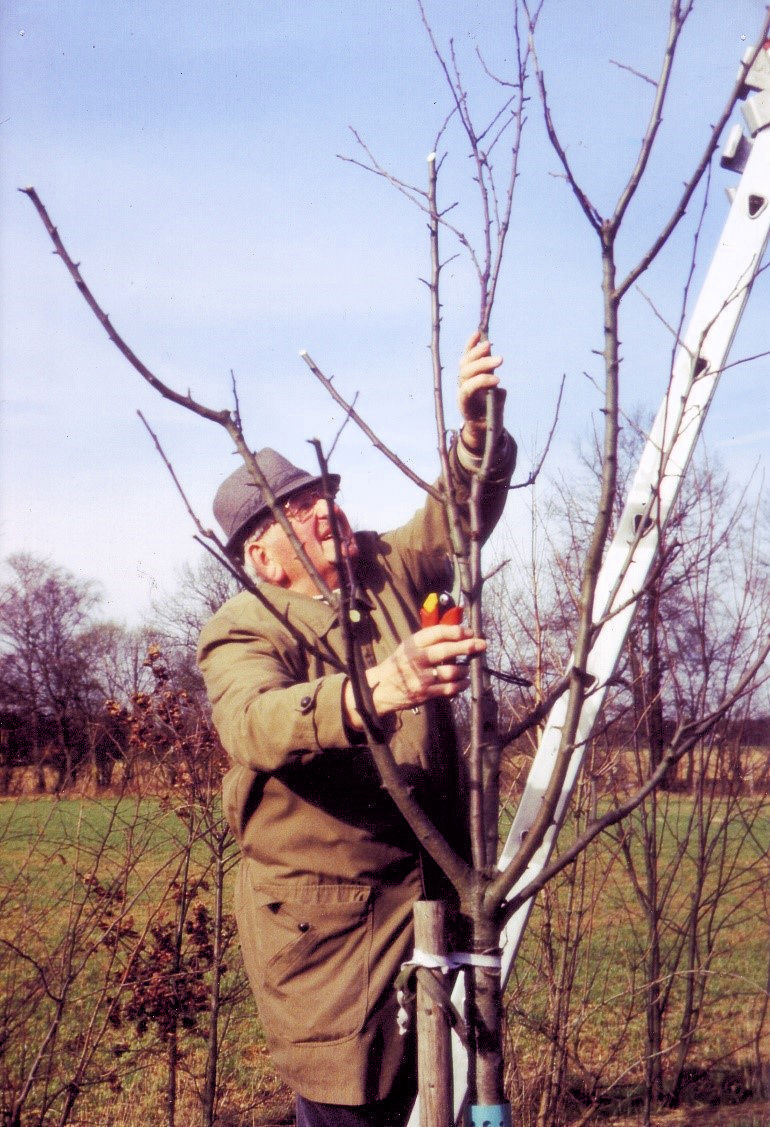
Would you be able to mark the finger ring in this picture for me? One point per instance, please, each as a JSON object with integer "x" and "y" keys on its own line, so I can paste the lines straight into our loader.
{"x": 434, "y": 672}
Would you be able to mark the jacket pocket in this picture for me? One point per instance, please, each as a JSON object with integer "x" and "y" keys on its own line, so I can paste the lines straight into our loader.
{"x": 312, "y": 944}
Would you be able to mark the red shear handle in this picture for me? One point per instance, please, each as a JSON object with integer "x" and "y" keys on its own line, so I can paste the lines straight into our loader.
{"x": 440, "y": 609}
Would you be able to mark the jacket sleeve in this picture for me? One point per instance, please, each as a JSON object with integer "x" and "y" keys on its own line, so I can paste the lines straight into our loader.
{"x": 267, "y": 713}
{"x": 424, "y": 542}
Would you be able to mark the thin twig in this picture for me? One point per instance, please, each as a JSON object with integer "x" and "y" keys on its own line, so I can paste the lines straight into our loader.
{"x": 211, "y": 543}
{"x": 341, "y": 428}
{"x": 676, "y": 24}
{"x": 208, "y": 533}
{"x": 535, "y": 472}
{"x": 411, "y": 192}
{"x": 373, "y": 438}
{"x": 632, "y": 70}
{"x": 536, "y": 714}
{"x": 589, "y": 210}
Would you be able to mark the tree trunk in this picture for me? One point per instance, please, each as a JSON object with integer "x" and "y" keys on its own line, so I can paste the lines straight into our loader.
{"x": 654, "y": 691}
{"x": 485, "y": 1019}
{"x": 173, "y": 1066}
{"x": 210, "y": 1088}
{"x": 653, "y": 1058}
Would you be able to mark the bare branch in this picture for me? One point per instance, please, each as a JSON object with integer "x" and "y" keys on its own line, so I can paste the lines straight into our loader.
{"x": 236, "y": 402}
{"x": 495, "y": 218}
{"x": 221, "y": 417}
{"x": 636, "y": 73}
{"x": 439, "y": 136}
{"x": 676, "y": 24}
{"x": 536, "y": 714}
{"x": 534, "y": 473}
{"x": 373, "y": 438}
{"x": 590, "y": 212}
{"x": 208, "y": 533}
{"x": 341, "y": 427}
{"x": 208, "y": 539}
{"x": 703, "y": 163}
{"x": 412, "y": 193}
{"x": 225, "y": 419}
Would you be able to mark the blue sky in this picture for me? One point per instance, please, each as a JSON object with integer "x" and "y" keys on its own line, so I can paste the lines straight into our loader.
{"x": 188, "y": 154}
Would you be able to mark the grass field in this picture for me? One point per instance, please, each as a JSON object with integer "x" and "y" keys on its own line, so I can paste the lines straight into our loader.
{"x": 89, "y": 888}
{"x": 82, "y": 886}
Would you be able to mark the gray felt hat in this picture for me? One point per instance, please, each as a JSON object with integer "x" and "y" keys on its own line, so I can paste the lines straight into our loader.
{"x": 240, "y": 503}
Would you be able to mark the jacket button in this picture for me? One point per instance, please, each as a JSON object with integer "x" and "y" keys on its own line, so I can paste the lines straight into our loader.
{"x": 306, "y": 705}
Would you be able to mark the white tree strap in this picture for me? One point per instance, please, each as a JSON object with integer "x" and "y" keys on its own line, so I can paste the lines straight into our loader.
{"x": 454, "y": 961}
{"x": 444, "y": 963}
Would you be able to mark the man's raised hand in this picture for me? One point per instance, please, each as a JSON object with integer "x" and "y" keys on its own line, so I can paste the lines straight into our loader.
{"x": 477, "y": 376}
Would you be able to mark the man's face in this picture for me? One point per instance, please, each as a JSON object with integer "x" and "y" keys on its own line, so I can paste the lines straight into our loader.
{"x": 308, "y": 513}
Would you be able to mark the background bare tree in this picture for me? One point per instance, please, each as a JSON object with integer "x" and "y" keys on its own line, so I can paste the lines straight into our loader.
{"x": 47, "y": 657}
{"x": 178, "y": 615}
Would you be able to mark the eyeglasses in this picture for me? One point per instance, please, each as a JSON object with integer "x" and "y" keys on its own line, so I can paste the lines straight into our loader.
{"x": 301, "y": 506}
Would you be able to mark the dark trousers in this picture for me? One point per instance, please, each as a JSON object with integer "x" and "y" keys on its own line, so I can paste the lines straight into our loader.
{"x": 392, "y": 1112}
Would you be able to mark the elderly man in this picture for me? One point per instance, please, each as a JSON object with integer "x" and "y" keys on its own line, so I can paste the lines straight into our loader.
{"x": 330, "y": 871}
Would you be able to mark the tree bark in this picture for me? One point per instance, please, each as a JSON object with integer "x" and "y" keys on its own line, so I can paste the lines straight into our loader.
{"x": 485, "y": 1017}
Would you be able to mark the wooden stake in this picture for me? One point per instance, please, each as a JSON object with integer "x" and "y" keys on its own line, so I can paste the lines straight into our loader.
{"x": 434, "y": 1057}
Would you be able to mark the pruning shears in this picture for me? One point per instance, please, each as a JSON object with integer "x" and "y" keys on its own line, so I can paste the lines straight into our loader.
{"x": 440, "y": 609}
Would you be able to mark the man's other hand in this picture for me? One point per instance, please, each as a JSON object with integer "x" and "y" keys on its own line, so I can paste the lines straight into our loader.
{"x": 421, "y": 668}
